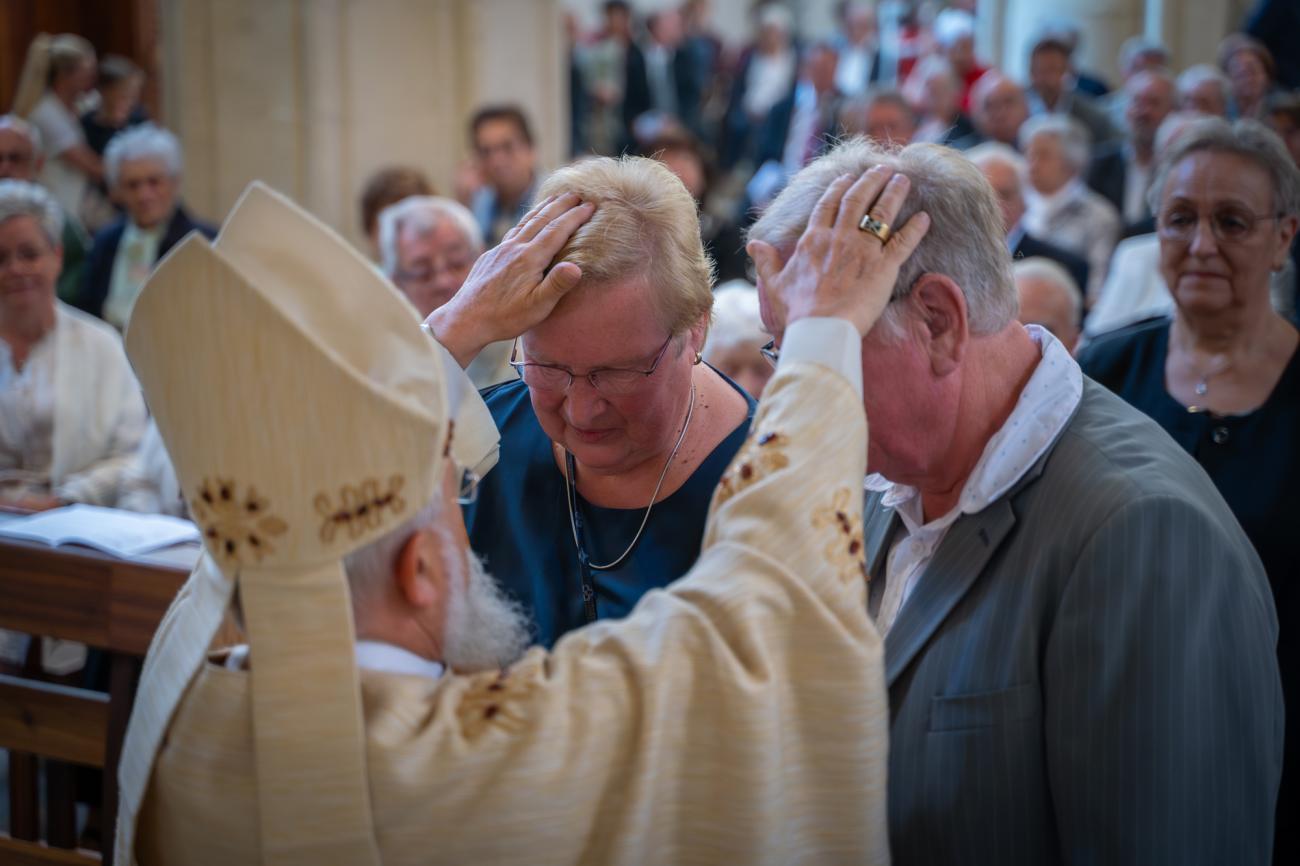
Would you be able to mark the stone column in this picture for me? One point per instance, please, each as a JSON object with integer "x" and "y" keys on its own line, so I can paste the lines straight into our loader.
{"x": 311, "y": 96}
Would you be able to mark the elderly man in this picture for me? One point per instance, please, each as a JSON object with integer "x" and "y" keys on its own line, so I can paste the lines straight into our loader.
{"x": 20, "y": 159}
{"x": 1079, "y": 638}
{"x": 1049, "y": 297}
{"x": 1204, "y": 89}
{"x": 998, "y": 108}
{"x": 738, "y": 717}
{"x": 143, "y": 170}
{"x": 507, "y": 161}
{"x": 1004, "y": 169}
{"x": 427, "y": 246}
{"x": 1121, "y": 171}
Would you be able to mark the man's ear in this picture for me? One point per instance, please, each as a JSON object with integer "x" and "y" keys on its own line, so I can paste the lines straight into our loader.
{"x": 941, "y": 305}
{"x": 422, "y": 578}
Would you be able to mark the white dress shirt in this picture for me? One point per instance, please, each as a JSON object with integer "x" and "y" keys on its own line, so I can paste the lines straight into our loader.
{"x": 27, "y": 419}
{"x": 1137, "y": 178}
{"x": 1046, "y": 405}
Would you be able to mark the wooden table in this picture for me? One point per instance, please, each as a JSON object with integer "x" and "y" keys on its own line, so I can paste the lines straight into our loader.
{"x": 79, "y": 594}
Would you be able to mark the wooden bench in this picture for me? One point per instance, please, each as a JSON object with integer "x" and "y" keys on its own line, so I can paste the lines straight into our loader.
{"x": 77, "y": 594}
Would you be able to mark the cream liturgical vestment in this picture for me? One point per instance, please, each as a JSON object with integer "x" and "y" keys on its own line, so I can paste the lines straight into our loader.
{"x": 737, "y": 717}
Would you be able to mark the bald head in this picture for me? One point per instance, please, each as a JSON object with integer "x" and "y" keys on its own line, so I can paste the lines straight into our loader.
{"x": 1000, "y": 107}
{"x": 1049, "y": 297}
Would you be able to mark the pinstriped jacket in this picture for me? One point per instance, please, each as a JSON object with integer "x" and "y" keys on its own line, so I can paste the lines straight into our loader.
{"x": 1087, "y": 671}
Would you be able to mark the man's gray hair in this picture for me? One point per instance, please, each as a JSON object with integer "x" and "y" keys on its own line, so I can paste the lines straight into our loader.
{"x": 370, "y": 568}
{"x": 145, "y": 141}
{"x": 1194, "y": 76}
{"x": 1072, "y": 135}
{"x": 1248, "y": 139}
{"x": 1050, "y": 272}
{"x": 966, "y": 241}
{"x": 1135, "y": 46}
{"x": 20, "y": 198}
{"x": 996, "y": 153}
{"x": 423, "y": 213}
{"x": 23, "y": 128}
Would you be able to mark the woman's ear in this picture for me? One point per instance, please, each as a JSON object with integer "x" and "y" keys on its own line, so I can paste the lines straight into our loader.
{"x": 1287, "y": 226}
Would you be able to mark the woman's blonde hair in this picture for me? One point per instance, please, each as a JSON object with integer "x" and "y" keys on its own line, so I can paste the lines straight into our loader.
{"x": 48, "y": 57}
{"x": 646, "y": 226}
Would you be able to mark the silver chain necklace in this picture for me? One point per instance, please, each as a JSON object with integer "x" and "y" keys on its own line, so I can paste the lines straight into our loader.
{"x": 645, "y": 518}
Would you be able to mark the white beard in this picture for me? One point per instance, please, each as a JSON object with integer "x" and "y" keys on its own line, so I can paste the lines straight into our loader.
{"x": 485, "y": 628}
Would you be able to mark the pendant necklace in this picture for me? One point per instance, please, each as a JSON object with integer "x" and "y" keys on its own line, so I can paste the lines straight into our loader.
{"x": 577, "y": 526}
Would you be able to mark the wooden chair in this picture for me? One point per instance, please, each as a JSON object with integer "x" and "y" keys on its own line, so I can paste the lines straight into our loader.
{"x": 114, "y": 605}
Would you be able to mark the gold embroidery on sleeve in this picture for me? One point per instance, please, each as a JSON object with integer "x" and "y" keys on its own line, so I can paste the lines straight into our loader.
{"x": 235, "y": 527}
{"x": 497, "y": 699}
{"x": 761, "y": 456}
{"x": 360, "y": 508}
{"x": 844, "y": 548}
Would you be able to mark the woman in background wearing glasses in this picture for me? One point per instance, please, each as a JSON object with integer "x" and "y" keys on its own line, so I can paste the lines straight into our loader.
{"x": 616, "y": 434}
{"x": 1222, "y": 376}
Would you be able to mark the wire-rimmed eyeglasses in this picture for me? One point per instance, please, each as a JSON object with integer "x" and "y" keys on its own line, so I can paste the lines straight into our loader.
{"x": 610, "y": 381}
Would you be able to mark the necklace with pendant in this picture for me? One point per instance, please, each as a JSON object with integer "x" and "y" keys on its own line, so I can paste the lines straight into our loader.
{"x": 1202, "y": 386}
{"x": 576, "y": 522}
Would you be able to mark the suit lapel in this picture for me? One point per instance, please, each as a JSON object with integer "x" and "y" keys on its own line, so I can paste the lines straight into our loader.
{"x": 960, "y": 559}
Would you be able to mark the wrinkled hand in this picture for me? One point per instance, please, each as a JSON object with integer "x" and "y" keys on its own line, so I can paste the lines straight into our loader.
{"x": 509, "y": 289}
{"x": 837, "y": 269}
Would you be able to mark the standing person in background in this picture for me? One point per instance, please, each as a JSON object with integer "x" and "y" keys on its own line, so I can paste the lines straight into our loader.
{"x": 954, "y": 36}
{"x": 858, "y": 44}
{"x": 1276, "y": 23}
{"x": 59, "y": 70}
{"x": 507, "y": 159}
{"x": 1121, "y": 171}
{"x": 1052, "y": 88}
{"x": 1222, "y": 376}
{"x": 20, "y": 159}
{"x": 1249, "y": 66}
{"x": 661, "y": 75}
{"x": 766, "y": 75}
{"x": 143, "y": 168}
{"x": 118, "y": 89}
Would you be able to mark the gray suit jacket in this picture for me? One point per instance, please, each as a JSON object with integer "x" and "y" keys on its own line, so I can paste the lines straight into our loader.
{"x": 1086, "y": 673}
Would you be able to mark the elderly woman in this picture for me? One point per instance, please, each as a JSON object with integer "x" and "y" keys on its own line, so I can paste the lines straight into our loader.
{"x": 71, "y": 413}
{"x": 617, "y": 433}
{"x": 1061, "y": 208}
{"x": 735, "y": 343}
{"x": 1222, "y": 376}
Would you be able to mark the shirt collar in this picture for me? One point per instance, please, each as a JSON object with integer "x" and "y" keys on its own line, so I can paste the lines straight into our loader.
{"x": 1016, "y": 235}
{"x": 1050, "y": 205}
{"x": 373, "y": 655}
{"x": 1046, "y": 404}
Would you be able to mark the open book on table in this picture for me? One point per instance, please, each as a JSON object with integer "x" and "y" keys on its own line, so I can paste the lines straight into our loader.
{"x": 121, "y": 533}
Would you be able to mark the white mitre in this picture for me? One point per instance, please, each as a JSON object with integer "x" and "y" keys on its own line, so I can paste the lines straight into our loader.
{"x": 307, "y": 414}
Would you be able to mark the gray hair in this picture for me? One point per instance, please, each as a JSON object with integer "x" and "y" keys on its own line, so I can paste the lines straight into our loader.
{"x": 23, "y": 128}
{"x": 966, "y": 241}
{"x": 369, "y": 568}
{"x": 995, "y": 152}
{"x": 1073, "y": 136}
{"x": 1135, "y": 46}
{"x": 145, "y": 141}
{"x": 951, "y": 25}
{"x": 1194, "y": 76}
{"x": 20, "y": 198}
{"x": 1050, "y": 272}
{"x": 736, "y": 318}
{"x": 1249, "y": 139}
{"x": 423, "y": 213}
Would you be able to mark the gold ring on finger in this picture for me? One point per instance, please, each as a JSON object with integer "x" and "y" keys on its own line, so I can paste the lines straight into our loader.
{"x": 876, "y": 228}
